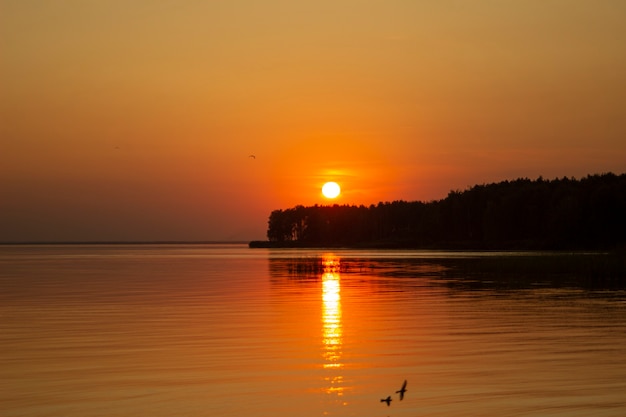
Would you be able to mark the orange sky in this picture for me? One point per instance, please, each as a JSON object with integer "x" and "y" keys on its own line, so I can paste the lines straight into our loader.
{"x": 134, "y": 120}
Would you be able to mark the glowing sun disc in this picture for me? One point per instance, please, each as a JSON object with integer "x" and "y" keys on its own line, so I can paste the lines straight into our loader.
{"x": 331, "y": 190}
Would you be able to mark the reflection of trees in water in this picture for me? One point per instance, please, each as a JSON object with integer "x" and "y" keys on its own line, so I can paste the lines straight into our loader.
{"x": 306, "y": 266}
{"x": 314, "y": 267}
{"x": 487, "y": 270}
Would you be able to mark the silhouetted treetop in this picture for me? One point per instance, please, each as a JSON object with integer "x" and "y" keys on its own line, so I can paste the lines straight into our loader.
{"x": 589, "y": 213}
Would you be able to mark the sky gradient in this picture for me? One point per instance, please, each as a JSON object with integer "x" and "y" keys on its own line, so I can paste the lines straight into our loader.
{"x": 135, "y": 120}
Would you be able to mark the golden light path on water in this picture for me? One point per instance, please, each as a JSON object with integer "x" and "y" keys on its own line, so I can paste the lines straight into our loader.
{"x": 332, "y": 331}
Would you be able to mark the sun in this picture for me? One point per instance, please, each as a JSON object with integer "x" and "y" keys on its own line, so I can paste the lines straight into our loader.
{"x": 331, "y": 190}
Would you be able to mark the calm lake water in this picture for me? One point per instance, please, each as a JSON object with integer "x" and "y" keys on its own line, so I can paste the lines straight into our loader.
{"x": 223, "y": 330}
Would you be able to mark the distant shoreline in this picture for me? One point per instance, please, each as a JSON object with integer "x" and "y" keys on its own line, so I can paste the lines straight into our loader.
{"x": 136, "y": 242}
{"x": 391, "y": 245}
{"x": 523, "y": 214}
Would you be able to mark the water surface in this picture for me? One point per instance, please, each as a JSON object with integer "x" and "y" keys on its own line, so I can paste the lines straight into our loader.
{"x": 223, "y": 330}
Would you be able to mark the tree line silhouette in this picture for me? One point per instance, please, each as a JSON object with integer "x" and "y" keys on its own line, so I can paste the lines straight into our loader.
{"x": 565, "y": 213}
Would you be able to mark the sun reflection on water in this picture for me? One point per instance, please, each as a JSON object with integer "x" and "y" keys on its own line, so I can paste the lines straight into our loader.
{"x": 332, "y": 331}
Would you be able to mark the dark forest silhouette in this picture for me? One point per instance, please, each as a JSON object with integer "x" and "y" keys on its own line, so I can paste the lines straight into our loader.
{"x": 566, "y": 213}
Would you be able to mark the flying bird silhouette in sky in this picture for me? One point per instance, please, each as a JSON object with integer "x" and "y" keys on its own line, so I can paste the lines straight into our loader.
{"x": 402, "y": 391}
{"x": 386, "y": 400}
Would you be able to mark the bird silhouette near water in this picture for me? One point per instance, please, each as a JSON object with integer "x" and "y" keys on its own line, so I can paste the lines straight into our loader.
{"x": 402, "y": 391}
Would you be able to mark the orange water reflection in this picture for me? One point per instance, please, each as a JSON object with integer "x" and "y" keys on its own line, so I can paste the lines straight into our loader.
{"x": 332, "y": 328}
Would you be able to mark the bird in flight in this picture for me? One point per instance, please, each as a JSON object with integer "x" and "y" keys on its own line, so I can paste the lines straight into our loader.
{"x": 386, "y": 400}
{"x": 402, "y": 391}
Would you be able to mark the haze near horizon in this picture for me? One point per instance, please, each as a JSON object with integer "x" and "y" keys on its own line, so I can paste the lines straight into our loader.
{"x": 137, "y": 120}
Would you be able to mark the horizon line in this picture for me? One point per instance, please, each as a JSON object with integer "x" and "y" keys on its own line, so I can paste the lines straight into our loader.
{"x": 123, "y": 242}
